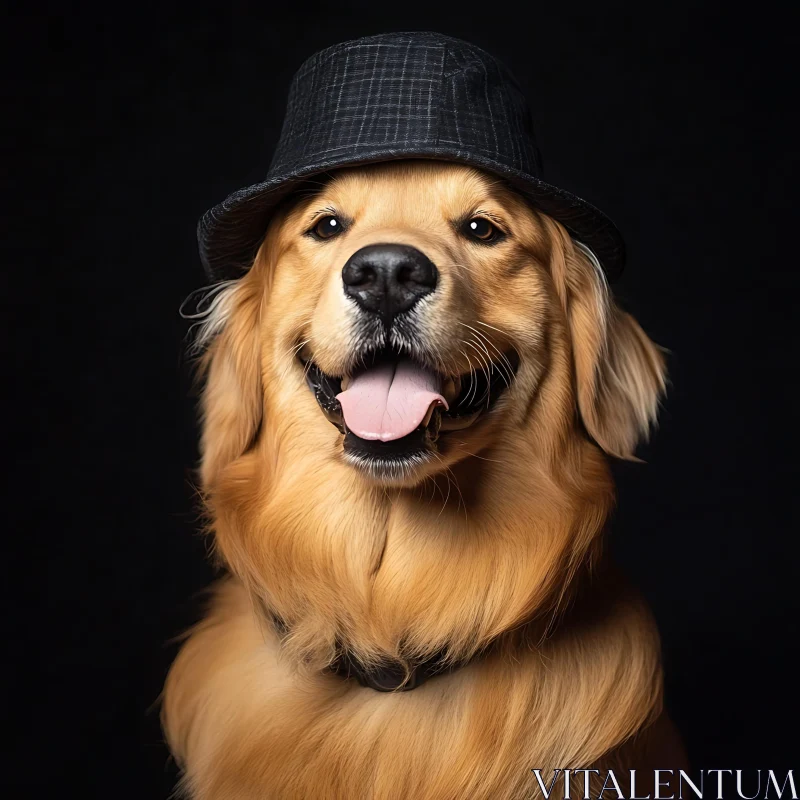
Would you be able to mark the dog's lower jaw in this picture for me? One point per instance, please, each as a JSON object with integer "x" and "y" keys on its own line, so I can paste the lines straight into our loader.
{"x": 244, "y": 724}
{"x": 396, "y": 472}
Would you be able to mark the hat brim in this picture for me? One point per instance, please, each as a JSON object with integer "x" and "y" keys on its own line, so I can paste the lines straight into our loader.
{"x": 230, "y": 234}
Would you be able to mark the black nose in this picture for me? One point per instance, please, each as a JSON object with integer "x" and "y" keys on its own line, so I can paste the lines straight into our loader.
{"x": 388, "y": 278}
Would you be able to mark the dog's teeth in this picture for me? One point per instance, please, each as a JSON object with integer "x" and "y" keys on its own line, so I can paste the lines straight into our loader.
{"x": 345, "y": 383}
{"x": 427, "y": 419}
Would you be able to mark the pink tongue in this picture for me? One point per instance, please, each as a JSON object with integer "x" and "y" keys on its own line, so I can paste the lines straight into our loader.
{"x": 390, "y": 400}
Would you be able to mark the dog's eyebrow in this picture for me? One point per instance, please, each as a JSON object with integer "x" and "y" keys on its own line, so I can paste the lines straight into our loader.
{"x": 496, "y": 218}
{"x": 482, "y": 212}
{"x": 328, "y": 210}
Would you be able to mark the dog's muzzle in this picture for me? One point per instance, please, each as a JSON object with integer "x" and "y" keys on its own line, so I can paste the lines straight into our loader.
{"x": 394, "y": 403}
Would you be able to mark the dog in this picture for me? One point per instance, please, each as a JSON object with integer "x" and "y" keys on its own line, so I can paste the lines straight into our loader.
{"x": 408, "y": 404}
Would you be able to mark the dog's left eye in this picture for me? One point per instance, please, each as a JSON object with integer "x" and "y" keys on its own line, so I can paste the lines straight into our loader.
{"x": 327, "y": 227}
{"x": 481, "y": 229}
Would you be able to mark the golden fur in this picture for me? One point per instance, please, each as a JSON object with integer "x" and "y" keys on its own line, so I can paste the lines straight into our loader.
{"x": 496, "y": 544}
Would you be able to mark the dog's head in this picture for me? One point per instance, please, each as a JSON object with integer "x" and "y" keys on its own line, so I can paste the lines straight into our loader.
{"x": 403, "y": 317}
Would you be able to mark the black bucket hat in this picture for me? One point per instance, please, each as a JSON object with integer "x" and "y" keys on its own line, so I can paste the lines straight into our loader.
{"x": 399, "y": 96}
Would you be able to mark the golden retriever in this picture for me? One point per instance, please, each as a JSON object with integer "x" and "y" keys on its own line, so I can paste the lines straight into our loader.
{"x": 407, "y": 407}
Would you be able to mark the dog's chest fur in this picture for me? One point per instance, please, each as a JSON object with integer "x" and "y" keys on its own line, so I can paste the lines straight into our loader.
{"x": 248, "y": 724}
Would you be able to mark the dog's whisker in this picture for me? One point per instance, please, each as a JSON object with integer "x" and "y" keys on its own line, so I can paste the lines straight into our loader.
{"x": 449, "y": 472}
{"x": 446, "y": 499}
{"x": 475, "y": 455}
{"x": 507, "y": 372}
{"x": 472, "y": 379}
{"x": 485, "y": 364}
{"x": 434, "y": 491}
{"x": 481, "y": 340}
{"x": 487, "y": 325}
{"x": 290, "y": 356}
{"x": 462, "y": 266}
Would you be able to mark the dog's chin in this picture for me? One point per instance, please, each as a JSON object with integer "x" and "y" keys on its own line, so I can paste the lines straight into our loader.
{"x": 406, "y": 460}
{"x": 402, "y": 462}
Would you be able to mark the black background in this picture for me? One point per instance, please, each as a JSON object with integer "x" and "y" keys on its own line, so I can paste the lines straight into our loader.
{"x": 127, "y": 123}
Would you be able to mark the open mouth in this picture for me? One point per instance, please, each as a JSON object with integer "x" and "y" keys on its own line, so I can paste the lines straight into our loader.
{"x": 393, "y": 410}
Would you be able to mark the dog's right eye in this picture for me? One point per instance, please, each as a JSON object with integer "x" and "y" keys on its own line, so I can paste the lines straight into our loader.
{"x": 327, "y": 227}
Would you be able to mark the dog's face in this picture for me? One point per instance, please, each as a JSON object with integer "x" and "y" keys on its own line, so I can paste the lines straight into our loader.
{"x": 407, "y": 316}
{"x": 423, "y": 306}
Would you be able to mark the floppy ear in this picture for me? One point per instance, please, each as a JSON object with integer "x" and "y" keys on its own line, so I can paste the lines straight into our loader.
{"x": 232, "y": 400}
{"x": 620, "y": 373}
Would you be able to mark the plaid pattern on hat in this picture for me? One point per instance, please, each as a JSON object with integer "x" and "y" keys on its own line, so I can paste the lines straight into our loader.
{"x": 399, "y": 96}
